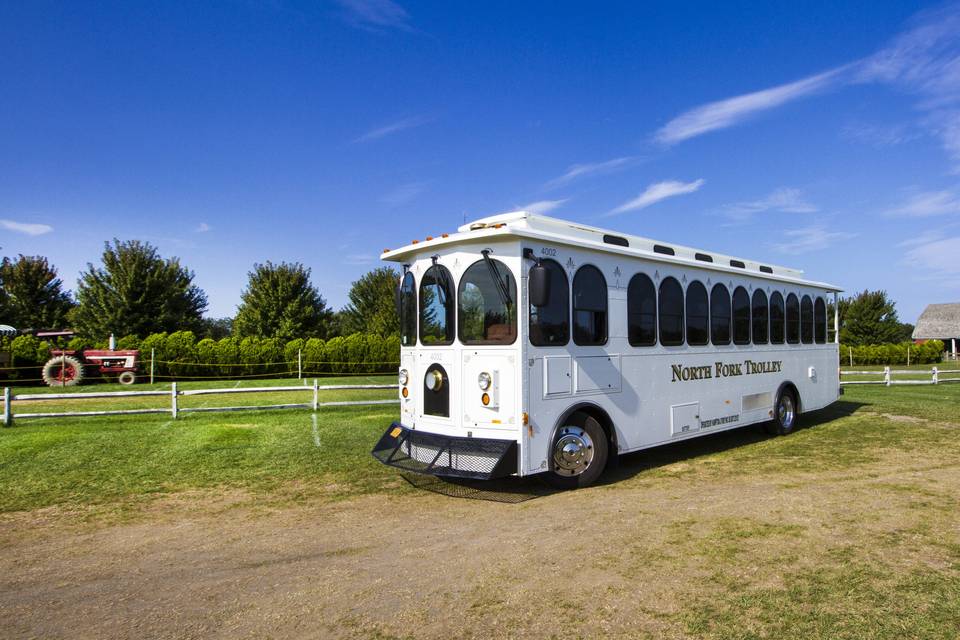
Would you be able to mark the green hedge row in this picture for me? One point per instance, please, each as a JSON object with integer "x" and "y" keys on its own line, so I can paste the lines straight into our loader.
{"x": 181, "y": 355}
{"x": 927, "y": 353}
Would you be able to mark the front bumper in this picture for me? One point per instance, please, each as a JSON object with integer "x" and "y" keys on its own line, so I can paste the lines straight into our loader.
{"x": 439, "y": 455}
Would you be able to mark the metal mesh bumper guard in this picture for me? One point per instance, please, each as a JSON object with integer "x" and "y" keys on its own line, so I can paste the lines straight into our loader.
{"x": 435, "y": 454}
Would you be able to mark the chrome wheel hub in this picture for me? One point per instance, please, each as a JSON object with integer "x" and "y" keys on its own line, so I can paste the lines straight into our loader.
{"x": 785, "y": 411}
{"x": 573, "y": 451}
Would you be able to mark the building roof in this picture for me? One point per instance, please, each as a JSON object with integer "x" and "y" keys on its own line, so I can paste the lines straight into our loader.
{"x": 545, "y": 229}
{"x": 938, "y": 321}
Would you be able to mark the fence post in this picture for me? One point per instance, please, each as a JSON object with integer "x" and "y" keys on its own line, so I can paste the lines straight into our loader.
{"x": 7, "y": 411}
{"x": 908, "y": 356}
{"x": 936, "y": 376}
{"x": 316, "y": 393}
{"x": 173, "y": 399}
{"x": 886, "y": 376}
{"x": 850, "y": 350}
{"x": 151, "y": 365}
{"x": 299, "y": 364}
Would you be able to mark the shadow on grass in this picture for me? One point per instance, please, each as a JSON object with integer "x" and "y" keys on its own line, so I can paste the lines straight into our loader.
{"x": 514, "y": 490}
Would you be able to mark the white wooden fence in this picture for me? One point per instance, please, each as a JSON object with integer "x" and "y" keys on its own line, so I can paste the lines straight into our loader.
{"x": 174, "y": 394}
{"x": 886, "y": 376}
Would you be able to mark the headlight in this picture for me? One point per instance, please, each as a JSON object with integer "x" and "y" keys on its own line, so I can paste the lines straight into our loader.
{"x": 484, "y": 381}
{"x": 404, "y": 376}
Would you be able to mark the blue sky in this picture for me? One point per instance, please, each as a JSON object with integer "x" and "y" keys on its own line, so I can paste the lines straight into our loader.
{"x": 822, "y": 136}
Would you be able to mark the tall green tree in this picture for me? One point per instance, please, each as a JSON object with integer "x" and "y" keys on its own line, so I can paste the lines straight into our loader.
{"x": 31, "y": 294}
{"x": 372, "y": 306}
{"x": 138, "y": 292}
{"x": 280, "y": 302}
{"x": 870, "y": 317}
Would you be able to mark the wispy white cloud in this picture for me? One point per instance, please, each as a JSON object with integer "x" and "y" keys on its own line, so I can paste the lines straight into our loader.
{"x": 576, "y": 171}
{"x": 29, "y": 228}
{"x": 542, "y": 206}
{"x": 403, "y": 194}
{"x": 657, "y": 192}
{"x": 928, "y": 203}
{"x": 812, "y": 238}
{"x": 203, "y": 228}
{"x": 879, "y": 136}
{"x": 393, "y": 127}
{"x": 941, "y": 257}
{"x": 359, "y": 259}
{"x": 782, "y": 200}
{"x": 375, "y": 15}
{"x": 730, "y": 111}
{"x": 924, "y": 238}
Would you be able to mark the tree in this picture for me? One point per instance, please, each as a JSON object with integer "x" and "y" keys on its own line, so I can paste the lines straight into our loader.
{"x": 31, "y": 294}
{"x": 137, "y": 292}
{"x": 216, "y": 328}
{"x": 870, "y": 318}
{"x": 280, "y": 302}
{"x": 372, "y": 307}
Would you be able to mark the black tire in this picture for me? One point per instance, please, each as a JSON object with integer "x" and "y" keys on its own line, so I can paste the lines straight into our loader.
{"x": 584, "y": 437}
{"x": 785, "y": 413}
{"x": 127, "y": 378}
{"x": 62, "y": 371}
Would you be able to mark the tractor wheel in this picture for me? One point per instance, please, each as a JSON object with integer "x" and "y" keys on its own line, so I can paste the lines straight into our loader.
{"x": 62, "y": 371}
{"x": 127, "y": 378}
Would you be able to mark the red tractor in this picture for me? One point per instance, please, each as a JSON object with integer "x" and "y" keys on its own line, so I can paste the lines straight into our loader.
{"x": 67, "y": 368}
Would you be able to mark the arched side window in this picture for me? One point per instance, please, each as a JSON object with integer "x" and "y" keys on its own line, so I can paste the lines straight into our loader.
{"x": 806, "y": 320}
{"x": 760, "y": 316}
{"x": 719, "y": 314}
{"x": 408, "y": 311}
{"x": 589, "y": 306}
{"x": 741, "y": 316}
{"x": 436, "y": 306}
{"x": 793, "y": 319}
{"x": 550, "y": 324}
{"x": 670, "y": 312}
{"x": 776, "y": 318}
{"x": 487, "y": 299}
{"x": 641, "y": 311}
{"x": 820, "y": 320}
{"x": 698, "y": 314}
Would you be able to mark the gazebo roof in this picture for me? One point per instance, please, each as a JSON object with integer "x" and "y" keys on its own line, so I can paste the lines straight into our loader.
{"x": 938, "y": 321}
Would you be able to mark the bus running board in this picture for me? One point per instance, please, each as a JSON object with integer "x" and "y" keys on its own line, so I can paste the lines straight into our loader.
{"x": 439, "y": 455}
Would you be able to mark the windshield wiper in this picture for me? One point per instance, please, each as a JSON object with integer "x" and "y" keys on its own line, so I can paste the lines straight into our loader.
{"x": 502, "y": 290}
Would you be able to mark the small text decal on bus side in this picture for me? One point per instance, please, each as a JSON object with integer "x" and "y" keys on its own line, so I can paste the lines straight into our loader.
{"x": 724, "y": 370}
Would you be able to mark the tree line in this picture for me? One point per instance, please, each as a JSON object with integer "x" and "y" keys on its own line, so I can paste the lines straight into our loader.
{"x": 134, "y": 291}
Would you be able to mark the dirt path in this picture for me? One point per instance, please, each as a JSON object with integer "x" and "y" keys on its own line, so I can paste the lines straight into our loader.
{"x": 619, "y": 560}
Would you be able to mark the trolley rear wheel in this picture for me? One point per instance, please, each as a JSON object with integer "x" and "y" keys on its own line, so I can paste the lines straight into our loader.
{"x": 785, "y": 413}
{"x": 578, "y": 454}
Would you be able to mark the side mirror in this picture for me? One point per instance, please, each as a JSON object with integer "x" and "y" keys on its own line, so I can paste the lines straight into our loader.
{"x": 539, "y": 285}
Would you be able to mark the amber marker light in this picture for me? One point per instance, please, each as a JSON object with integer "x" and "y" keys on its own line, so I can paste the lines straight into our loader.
{"x": 429, "y": 238}
{"x": 485, "y": 399}
{"x": 404, "y": 392}
{"x": 445, "y": 235}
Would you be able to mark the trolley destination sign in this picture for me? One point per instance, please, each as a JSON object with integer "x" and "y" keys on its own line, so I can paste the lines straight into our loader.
{"x": 724, "y": 370}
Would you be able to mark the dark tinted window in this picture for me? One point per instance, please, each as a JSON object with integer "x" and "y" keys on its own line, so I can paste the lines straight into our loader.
{"x": 550, "y": 324}
{"x": 589, "y": 306}
{"x": 436, "y": 306}
{"x": 671, "y": 312}
{"x": 698, "y": 314}
{"x": 759, "y": 317}
{"x": 806, "y": 320}
{"x": 641, "y": 311}
{"x": 741, "y": 316}
{"x": 776, "y": 318}
{"x": 719, "y": 315}
{"x": 408, "y": 311}
{"x": 793, "y": 319}
{"x": 820, "y": 321}
{"x": 487, "y": 301}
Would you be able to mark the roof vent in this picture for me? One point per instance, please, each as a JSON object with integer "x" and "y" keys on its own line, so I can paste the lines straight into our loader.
{"x": 703, "y": 257}
{"x": 617, "y": 240}
{"x": 659, "y": 248}
{"x": 738, "y": 264}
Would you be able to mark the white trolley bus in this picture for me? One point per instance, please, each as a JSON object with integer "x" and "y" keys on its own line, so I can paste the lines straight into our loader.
{"x": 532, "y": 345}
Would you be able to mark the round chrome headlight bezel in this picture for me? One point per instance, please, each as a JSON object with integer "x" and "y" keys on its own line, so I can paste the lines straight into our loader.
{"x": 484, "y": 380}
{"x": 403, "y": 377}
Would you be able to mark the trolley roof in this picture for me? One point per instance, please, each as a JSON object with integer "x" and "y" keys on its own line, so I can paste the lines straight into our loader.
{"x": 552, "y": 230}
